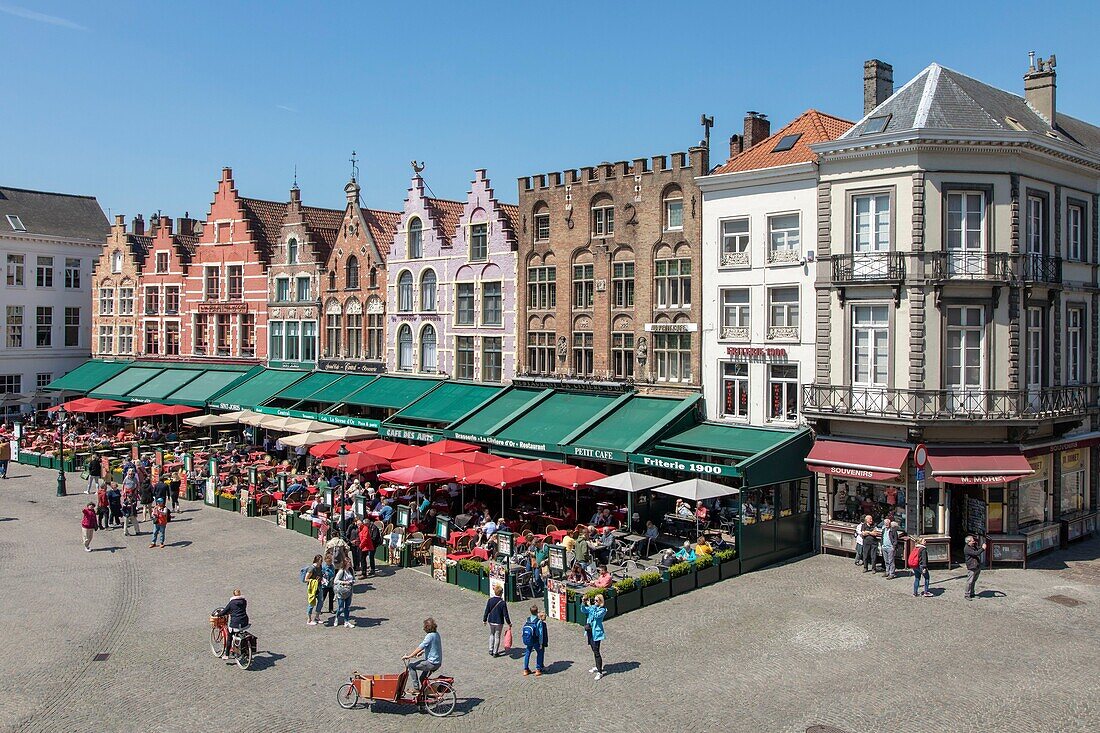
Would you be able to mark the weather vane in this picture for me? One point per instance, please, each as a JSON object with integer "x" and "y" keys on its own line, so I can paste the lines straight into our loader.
{"x": 354, "y": 167}
{"x": 418, "y": 168}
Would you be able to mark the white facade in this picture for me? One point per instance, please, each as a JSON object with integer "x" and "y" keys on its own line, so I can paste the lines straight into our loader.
{"x": 46, "y": 302}
{"x": 759, "y": 229}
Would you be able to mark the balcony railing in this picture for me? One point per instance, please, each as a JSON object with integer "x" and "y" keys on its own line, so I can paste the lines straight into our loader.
{"x": 945, "y": 404}
{"x": 1041, "y": 268}
{"x": 868, "y": 267}
{"x": 969, "y": 265}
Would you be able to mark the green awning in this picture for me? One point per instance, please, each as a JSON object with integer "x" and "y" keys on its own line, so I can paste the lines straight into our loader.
{"x": 552, "y": 420}
{"x": 445, "y": 404}
{"x": 120, "y": 386}
{"x": 760, "y": 456}
{"x": 391, "y": 392}
{"x": 491, "y": 414}
{"x": 164, "y": 384}
{"x": 200, "y": 389}
{"x": 342, "y": 388}
{"x": 257, "y": 390}
{"x": 740, "y": 441}
{"x": 629, "y": 426}
{"x": 303, "y": 389}
{"x": 88, "y": 376}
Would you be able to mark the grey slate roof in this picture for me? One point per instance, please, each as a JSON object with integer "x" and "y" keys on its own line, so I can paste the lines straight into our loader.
{"x": 53, "y": 214}
{"x": 941, "y": 99}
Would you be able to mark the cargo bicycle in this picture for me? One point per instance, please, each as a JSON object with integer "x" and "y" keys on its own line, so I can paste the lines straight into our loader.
{"x": 436, "y": 695}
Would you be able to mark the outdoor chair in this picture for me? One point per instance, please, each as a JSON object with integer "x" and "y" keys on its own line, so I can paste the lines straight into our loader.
{"x": 422, "y": 551}
{"x": 550, "y": 528}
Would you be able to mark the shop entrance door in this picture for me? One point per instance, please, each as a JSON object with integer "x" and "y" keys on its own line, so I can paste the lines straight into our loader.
{"x": 969, "y": 513}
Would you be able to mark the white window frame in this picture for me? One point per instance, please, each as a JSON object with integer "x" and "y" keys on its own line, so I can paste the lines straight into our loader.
{"x": 735, "y": 316}
{"x": 967, "y": 333}
{"x": 784, "y": 243}
{"x": 670, "y": 202}
{"x": 737, "y": 385}
{"x": 787, "y": 327}
{"x": 672, "y": 291}
{"x": 1075, "y": 232}
{"x": 465, "y": 293}
{"x": 870, "y": 324}
{"x": 1075, "y": 319}
{"x": 789, "y": 387}
{"x": 603, "y": 220}
{"x": 734, "y": 245}
{"x": 479, "y": 232}
{"x": 672, "y": 361}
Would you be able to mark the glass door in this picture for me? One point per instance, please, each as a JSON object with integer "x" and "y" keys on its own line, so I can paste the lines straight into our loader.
{"x": 965, "y": 359}
{"x": 870, "y": 357}
{"x": 965, "y": 235}
{"x": 870, "y": 236}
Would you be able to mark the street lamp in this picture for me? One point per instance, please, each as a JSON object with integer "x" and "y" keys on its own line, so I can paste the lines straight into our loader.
{"x": 61, "y": 415}
{"x": 342, "y": 453}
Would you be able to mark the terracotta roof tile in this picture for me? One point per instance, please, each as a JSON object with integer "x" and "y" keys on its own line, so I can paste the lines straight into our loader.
{"x": 268, "y": 217}
{"x": 324, "y": 226}
{"x": 813, "y": 126}
{"x": 511, "y": 213}
{"x": 382, "y": 226}
{"x": 446, "y": 213}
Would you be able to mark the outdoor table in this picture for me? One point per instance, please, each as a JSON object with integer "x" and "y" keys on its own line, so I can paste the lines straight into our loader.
{"x": 480, "y": 553}
{"x": 633, "y": 538}
{"x": 558, "y": 536}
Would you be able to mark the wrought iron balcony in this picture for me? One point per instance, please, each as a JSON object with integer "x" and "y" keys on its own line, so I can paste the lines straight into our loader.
{"x": 971, "y": 265}
{"x": 1041, "y": 268}
{"x": 958, "y": 405}
{"x": 868, "y": 267}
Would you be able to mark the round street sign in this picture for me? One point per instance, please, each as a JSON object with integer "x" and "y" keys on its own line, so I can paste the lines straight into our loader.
{"x": 920, "y": 455}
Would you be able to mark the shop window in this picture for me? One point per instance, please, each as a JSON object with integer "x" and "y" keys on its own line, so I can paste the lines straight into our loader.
{"x": 540, "y": 352}
{"x": 757, "y": 505}
{"x": 735, "y": 390}
{"x": 850, "y": 501}
{"x": 1074, "y": 494}
{"x": 1033, "y": 502}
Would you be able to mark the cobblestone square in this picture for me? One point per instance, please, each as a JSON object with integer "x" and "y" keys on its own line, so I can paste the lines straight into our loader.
{"x": 809, "y": 643}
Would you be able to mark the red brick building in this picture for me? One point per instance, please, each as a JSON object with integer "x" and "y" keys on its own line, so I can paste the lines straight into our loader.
{"x": 115, "y": 277}
{"x": 160, "y": 292}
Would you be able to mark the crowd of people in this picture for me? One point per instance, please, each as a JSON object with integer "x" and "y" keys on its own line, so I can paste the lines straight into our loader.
{"x": 145, "y": 493}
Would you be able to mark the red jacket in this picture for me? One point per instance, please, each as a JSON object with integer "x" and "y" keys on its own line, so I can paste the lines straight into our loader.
{"x": 365, "y": 543}
{"x": 88, "y": 521}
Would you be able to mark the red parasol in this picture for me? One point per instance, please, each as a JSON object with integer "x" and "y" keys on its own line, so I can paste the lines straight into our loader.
{"x": 357, "y": 463}
{"x": 396, "y": 452}
{"x": 540, "y": 467}
{"x": 484, "y": 459}
{"x": 177, "y": 410}
{"x": 430, "y": 460}
{"x": 329, "y": 448}
{"x": 501, "y": 478}
{"x": 450, "y": 446}
{"x": 88, "y": 404}
{"x": 572, "y": 477}
{"x": 416, "y": 476}
{"x": 132, "y": 413}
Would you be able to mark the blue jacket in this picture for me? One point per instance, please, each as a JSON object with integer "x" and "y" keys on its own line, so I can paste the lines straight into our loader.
{"x": 595, "y": 616}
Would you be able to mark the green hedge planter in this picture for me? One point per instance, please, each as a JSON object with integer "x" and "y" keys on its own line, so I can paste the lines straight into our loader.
{"x": 655, "y": 593}
{"x": 291, "y": 516}
{"x": 452, "y": 574}
{"x": 728, "y": 569}
{"x": 706, "y": 576}
{"x": 302, "y": 525}
{"x": 466, "y": 579}
{"x": 682, "y": 584}
{"x": 628, "y": 602}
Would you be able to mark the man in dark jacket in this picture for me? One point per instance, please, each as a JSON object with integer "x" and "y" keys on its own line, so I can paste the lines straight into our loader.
{"x": 237, "y": 611}
{"x": 160, "y": 490}
{"x": 870, "y": 543}
{"x": 973, "y": 553}
{"x": 95, "y": 473}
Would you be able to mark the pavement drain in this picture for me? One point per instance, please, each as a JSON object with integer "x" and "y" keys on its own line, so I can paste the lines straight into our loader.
{"x": 825, "y": 729}
{"x": 103, "y": 657}
{"x": 1065, "y": 601}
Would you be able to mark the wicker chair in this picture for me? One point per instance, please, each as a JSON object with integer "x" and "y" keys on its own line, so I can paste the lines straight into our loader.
{"x": 550, "y": 528}
{"x": 422, "y": 552}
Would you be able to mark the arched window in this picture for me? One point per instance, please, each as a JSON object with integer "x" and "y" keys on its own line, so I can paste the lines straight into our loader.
{"x": 427, "y": 349}
{"x": 405, "y": 292}
{"x": 116, "y": 261}
{"x": 427, "y": 290}
{"x": 404, "y": 348}
{"x": 374, "y": 277}
{"x": 351, "y": 272}
{"x": 603, "y": 217}
{"x": 332, "y": 279}
{"x": 674, "y": 209}
{"x": 292, "y": 251}
{"x": 416, "y": 239}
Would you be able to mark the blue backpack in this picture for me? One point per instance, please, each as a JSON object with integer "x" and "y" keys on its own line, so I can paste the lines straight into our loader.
{"x": 531, "y": 632}
{"x": 302, "y": 573}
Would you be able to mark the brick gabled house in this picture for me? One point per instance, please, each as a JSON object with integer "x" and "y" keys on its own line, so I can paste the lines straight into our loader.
{"x": 116, "y": 275}
{"x": 353, "y": 331}
{"x": 160, "y": 295}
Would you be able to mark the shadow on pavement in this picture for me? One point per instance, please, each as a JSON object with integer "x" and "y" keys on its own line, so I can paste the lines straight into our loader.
{"x": 559, "y": 666}
{"x": 367, "y": 622}
{"x": 180, "y": 543}
{"x": 9, "y": 519}
{"x": 620, "y": 667}
{"x": 265, "y": 660}
{"x": 109, "y": 549}
{"x": 463, "y": 706}
{"x": 991, "y": 594}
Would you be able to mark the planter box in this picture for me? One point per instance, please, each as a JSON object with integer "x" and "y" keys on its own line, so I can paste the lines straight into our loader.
{"x": 575, "y": 613}
{"x": 706, "y": 576}
{"x": 683, "y": 584}
{"x": 728, "y": 569}
{"x": 483, "y": 585}
{"x": 382, "y": 554}
{"x": 628, "y": 602}
{"x": 655, "y": 593}
{"x": 291, "y": 516}
{"x": 252, "y": 508}
{"x": 466, "y": 579}
{"x": 452, "y": 574}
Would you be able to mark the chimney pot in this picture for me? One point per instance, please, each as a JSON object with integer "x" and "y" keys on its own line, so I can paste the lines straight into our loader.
{"x": 737, "y": 146}
{"x": 757, "y": 128}
{"x": 878, "y": 83}
{"x": 137, "y": 226}
{"x": 1040, "y": 89}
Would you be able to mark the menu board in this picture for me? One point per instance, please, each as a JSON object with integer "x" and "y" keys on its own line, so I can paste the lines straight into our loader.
{"x": 443, "y": 528}
{"x": 557, "y": 560}
{"x": 403, "y": 515}
{"x": 975, "y": 515}
{"x": 187, "y": 462}
{"x": 504, "y": 544}
{"x": 439, "y": 562}
{"x": 244, "y": 502}
{"x": 498, "y": 576}
{"x": 556, "y": 599}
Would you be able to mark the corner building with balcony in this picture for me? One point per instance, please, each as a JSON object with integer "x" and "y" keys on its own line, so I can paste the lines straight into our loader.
{"x": 957, "y": 310}
{"x": 609, "y": 273}
{"x": 759, "y": 241}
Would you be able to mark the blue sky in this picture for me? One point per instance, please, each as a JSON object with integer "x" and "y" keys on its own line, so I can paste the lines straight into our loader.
{"x": 142, "y": 103}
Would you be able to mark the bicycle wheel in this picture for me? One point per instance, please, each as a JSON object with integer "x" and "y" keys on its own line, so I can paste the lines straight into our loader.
{"x": 439, "y": 699}
{"x": 244, "y": 654}
{"x": 217, "y": 642}
{"x": 347, "y": 696}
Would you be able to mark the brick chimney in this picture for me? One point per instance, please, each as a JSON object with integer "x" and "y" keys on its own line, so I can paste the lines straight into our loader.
{"x": 737, "y": 146}
{"x": 1039, "y": 87}
{"x": 137, "y": 226}
{"x": 757, "y": 127}
{"x": 295, "y": 194}
{"x": 165, "y": 224}
{"x": 185, "y": 225}
{"x": 878, "y": 83}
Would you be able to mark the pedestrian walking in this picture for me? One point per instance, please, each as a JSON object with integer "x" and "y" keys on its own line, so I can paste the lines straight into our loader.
{"x": 918, "y": 561}
{"x": 94, "y": 467}
{"x": 369, "y": 537}
{"x": 496, "y": 616}
{"x": 88, "y": 524}
{"x": 535, "y": 640}
{"x": 103, "y": 507}
{"x": 162, "y": 515}
{"x": 973, "y": 554}
{"x": 889, "y": 547}
{"x": 312, "y": 580}
{"x": 593, "y": 629}
{"x": 343, "y": 583}
{"x": 5, "y": 454}
{"x": 130, "y": 513}
{"x": 114, "y": 503}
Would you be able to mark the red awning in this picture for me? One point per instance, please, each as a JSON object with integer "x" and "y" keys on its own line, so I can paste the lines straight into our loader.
{"x": 857, "y": 460}
{"x": 974, "y": 466}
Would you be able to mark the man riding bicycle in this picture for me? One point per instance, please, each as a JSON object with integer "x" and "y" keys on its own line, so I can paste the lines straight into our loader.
{"x": 431, "y": 649}
{"x": 237, "y": 611}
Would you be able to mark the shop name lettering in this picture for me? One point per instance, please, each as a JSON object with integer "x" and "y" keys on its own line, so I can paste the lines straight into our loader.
{"x": 855, "y": 472}
{"x": 409, "y": 435}
{"x": 981, "y": 479}
{"x": 520, "y": 444}
{"x": 592, "y": 453}
{"x": 681, "y": 466}
{"x": 751, "y": 352}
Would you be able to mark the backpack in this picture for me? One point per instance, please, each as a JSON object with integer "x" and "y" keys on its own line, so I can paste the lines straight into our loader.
{"x": 914, "y": 557}
{"x": 375, "y": 535}
{"x": 530, "y": 632}
{"x": 303, "y": 572}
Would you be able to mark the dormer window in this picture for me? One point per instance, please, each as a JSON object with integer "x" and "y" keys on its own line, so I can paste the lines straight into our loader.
{"x": 16, "y": 223}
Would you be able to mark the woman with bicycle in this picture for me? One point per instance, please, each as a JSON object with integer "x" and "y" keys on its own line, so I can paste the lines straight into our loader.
{"x": 237, "y": 611}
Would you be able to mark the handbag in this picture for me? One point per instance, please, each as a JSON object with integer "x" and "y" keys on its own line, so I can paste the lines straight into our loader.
{"x": 84, "y": 475}
{"x": 508, "y": 638}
